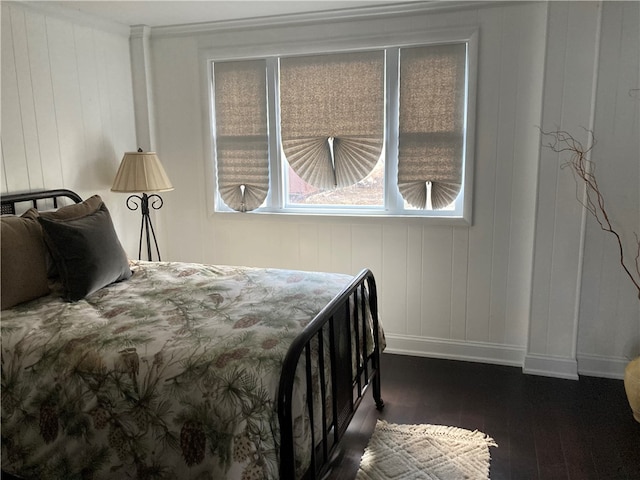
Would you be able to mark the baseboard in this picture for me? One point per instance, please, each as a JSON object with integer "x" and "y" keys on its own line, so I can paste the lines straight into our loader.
{"x": 551, "y": 366}
{"x": 534, "y": 364}
{"x": 455, "y": 350}
{"x": 605, "y": 367}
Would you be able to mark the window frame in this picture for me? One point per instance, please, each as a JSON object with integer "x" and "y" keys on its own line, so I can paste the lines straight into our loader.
{"x": 393, "y": 202}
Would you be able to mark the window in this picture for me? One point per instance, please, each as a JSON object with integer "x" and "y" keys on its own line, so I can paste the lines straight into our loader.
{"x": 373, "y": 132}
{"x": 242, "y": 140}
{"x": 430, "y": 139}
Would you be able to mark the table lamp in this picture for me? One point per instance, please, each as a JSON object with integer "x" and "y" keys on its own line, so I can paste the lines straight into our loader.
{"x": 142, "y": 172}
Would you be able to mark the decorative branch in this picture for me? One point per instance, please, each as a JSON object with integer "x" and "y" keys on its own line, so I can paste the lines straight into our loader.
{"x": 583, "y": 171}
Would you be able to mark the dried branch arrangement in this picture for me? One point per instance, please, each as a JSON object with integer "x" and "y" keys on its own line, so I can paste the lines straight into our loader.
{"x": 584, "y": 173}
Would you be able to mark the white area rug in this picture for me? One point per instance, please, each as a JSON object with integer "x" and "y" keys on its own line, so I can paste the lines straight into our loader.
{"x": 433, "y": 452}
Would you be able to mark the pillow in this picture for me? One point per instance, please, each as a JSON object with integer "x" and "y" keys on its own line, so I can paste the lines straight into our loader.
{"x": 86, "y": 251}
{"x": 23, "y": 266}
{"x": 67, "y": 212}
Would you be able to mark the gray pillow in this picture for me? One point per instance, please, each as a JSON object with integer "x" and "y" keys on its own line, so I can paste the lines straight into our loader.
{"x": 86, "y": 251}
{"x": 67, "y": 212}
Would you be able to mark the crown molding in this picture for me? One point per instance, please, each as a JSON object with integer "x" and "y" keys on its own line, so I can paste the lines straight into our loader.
{"x": 140, "y": 31}
{"x": 343, "y": 15}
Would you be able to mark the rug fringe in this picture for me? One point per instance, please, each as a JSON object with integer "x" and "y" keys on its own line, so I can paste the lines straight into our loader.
{"x": 460, "y": 434}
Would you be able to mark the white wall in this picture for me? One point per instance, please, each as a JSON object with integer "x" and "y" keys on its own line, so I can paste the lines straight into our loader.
{"x": 509, "y": 288}
{"x": 532, "y": 283}
{"x": 447, "y": 291}
{"x": 609, "y": 327}
{"x": 585, "y": 315}
{"x": 67, "y": 107}
{"x": 570, "y": 63}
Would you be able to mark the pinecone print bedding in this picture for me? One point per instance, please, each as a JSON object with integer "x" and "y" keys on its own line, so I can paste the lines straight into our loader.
{"x": 170, "y": 374}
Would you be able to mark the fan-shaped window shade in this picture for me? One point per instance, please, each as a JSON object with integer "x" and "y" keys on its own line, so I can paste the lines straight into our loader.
{"x": 332, "y": 116}
{"x": 242, "y": 143}
{"x": 431, "y": 125}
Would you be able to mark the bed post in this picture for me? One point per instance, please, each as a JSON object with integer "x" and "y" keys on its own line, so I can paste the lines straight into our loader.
{"x": 373, "y": 305}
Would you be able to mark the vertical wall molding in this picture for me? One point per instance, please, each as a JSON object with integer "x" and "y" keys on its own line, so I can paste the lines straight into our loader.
{"x": 571, "y": 66}
{"x": 609, "y": 329}
{"x": 142, "y": 87}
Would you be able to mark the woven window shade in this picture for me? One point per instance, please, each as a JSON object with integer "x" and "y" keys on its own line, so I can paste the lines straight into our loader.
{"x": 242, "y": 143}
{"x": 431, "y": 127}
{"x": 332, "y": 116}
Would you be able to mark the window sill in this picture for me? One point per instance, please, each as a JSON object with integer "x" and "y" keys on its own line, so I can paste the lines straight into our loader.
{"x": 346, "y": 217}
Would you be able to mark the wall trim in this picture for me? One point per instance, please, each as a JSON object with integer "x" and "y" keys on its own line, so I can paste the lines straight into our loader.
{"x": 543, "y": 365}
{"x": 455, "y": 350}
{"x": 604, "y": 367}
{"x": 551, "y": 366}
{"x": 141, "y": 75}
{"x": 301, "y": 19}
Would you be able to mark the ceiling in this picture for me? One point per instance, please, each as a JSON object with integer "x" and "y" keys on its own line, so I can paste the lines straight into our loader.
{"x": 155, "y": 13}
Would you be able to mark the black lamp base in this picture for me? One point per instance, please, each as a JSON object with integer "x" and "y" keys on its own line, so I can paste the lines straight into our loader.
{"x": 146, "y": 226}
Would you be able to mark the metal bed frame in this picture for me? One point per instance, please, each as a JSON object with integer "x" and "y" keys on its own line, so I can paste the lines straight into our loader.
{"x": 9, "y": 201}
{"x": 342, "y": 323}
{"x": 348, "y": 388}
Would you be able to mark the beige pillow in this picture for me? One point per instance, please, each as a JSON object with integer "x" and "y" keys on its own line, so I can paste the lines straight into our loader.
{"x": 23, "y": 266}
{"x": 68, "y": 212}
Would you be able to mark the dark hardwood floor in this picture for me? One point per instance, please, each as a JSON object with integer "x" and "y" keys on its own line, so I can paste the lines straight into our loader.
{"x": 546, "y": 428}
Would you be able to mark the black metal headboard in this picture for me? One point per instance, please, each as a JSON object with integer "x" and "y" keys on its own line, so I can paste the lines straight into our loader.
{"x": 9, "y": 201}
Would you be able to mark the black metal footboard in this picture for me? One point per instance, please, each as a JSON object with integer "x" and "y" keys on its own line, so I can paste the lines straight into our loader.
{"x": 341, "y": 324}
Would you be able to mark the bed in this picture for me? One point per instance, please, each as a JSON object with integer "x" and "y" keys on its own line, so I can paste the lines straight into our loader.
{"x": 113, "y": 368}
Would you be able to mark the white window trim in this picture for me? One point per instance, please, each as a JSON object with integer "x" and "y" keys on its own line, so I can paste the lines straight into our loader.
{"x": 393, "y": 199}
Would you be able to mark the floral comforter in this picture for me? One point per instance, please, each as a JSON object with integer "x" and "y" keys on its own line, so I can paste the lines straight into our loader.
{"x": 170, "y": 374}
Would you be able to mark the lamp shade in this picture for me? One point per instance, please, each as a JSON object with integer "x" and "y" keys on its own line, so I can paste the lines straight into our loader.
{"x": 141, "y": 172}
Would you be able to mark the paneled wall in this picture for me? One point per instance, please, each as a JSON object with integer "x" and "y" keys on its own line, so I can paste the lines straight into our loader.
{"x": 509, "y": 289}
{"x": 67, "y": 106}
{"x": 449, "y": 291}
{"x": 609, "y": 327}
{"x": 585, "y": 315}
{"x": 570, "y": 64}
{"x": 533, "y": 282}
